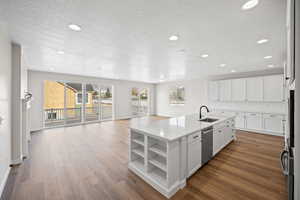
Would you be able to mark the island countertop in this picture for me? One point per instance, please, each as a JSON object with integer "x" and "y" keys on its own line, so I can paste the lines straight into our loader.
{"x": 174, "y": 128}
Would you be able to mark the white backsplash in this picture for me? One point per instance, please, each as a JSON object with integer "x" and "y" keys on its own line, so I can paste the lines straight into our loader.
{"x": 263, "y": 107}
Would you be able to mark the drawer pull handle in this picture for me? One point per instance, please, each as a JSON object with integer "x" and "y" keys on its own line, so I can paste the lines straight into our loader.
{"x": 196, "y": 136}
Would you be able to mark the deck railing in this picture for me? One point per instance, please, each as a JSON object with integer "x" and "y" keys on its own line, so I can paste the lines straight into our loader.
{"x": 57, "y": 116}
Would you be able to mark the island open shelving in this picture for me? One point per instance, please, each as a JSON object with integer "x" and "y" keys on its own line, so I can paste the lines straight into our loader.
{"x": 150, "y": 158}
{"x": 161, "y": 152}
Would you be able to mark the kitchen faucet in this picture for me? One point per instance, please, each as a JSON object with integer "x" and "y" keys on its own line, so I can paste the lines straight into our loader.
{"x": 200, "y": 114}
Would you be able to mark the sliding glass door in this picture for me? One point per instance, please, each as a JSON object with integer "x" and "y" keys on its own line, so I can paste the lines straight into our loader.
{"x": 74, "y": 102}
{"x": 139, "y": 101}
{"x": 54, "y": 103}
{"x": 67, "y": 103}
{"x": 92, "y": 108}
{"x": 106, "y": 102}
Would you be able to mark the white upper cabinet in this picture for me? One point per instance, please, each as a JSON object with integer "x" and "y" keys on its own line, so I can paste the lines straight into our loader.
{"x": 273, "y": 88}
{"x": 238, "y": 90}
{"x": 225, "y": 90}
{"x": 213, "y": 90}
{"x": 254, "y": 89}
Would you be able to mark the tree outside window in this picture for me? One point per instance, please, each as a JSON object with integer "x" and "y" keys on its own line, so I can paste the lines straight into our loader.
{"x": 177, "y": 96}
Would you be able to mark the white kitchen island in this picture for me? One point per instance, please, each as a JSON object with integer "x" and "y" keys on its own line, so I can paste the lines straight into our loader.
{"x": 165, "y": 153}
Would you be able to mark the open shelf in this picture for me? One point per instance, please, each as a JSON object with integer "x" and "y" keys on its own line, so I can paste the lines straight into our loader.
{"x": 138, "y": 139}
{"x": 139, "y": 151}
{"x": 159, "y": 162}
{"x": 139, "y": 164}
{"x": 159, "y": 176}
{"x": 159, "y": 149}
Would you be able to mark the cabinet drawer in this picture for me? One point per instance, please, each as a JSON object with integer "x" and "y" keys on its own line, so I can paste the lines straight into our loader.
{"x": 277, "y": 116}
{"x": 194, "y": 136}
{"x": 220, "y": 125}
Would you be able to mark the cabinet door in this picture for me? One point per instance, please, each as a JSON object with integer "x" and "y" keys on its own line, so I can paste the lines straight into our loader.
{"x": 273, "y": 88}
{"x": 273, "y": 123}
{"x": 240, "y": 120}
{"x": 194, "y": 156}
{"x": 238, "y": 89}
{"x": 218, "y": 141}
{"x": 254, "y": 91}
{"x": 253, "y": 121}
{"x": 225, "y": 90}
{"x": 213, "y": 90}
{"x": 227, "y": 134}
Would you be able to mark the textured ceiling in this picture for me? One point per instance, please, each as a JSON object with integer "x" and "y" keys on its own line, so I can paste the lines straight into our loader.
{"x": 128, "y": 39}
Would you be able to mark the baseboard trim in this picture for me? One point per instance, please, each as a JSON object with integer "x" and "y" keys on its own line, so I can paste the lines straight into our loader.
{"x": 17, "y": 161}
{"x": 3, "y": 183}
{"x": 260, "y": 132}
{"x": 164, "y": 115}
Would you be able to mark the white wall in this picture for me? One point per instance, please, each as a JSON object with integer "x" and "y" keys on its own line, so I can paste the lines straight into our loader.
{"x": 195, "y": 96}
{"x": 16, "y": 110}
{"x": 5, "y": 106}
{"x": 122, "y": 94}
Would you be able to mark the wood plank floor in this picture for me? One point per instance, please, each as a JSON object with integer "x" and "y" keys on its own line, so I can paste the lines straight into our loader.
{"x": 90, "y": 163}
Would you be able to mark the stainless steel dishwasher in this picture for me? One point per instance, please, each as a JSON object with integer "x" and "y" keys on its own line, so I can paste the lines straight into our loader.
{"x": 207, "y": 144}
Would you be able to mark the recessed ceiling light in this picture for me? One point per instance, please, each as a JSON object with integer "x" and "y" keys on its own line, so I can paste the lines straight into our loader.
{"x": 250, "y": 4}
{"x": 267, "y": 57}
{"x": 74, "y": 27}
{"x": 174, "y": 37}
{"x": 204, "y": 55}
{"x": 52, "y": 68}
{"x": 233, "y": 70}
{"x": 162, "y": 76}
{"x": 271, "y": 66}
{"x": 223, "y": 65}
{"x": 60, "y": 52}
{"x": 262, "y": 41}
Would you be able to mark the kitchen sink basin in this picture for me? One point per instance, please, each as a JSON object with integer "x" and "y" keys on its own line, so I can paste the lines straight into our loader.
{"x": 209, "y": 120}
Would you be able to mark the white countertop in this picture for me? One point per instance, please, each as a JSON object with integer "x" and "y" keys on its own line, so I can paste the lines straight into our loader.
{"x": 174, "y": 128}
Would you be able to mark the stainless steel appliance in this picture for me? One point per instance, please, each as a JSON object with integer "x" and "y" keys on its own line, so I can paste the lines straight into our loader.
{"x": 207, "y": 144}
{"x": 287, "y": 156}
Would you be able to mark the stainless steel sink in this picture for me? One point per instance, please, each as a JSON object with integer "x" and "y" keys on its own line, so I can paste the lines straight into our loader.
{"x": 209, "y": 120}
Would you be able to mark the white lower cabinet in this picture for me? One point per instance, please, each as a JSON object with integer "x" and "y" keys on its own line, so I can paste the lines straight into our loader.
{"x": 267, "y": 123}
{"x": 253, "y": 121}
{"x": 228, "y": 133}
{"x": 218, "y": 140}
{"x": 223, "y": 134}
{"x": 240, "y": 120}
{"x": 194, "y": 152}
{"x": 273, "y": 123}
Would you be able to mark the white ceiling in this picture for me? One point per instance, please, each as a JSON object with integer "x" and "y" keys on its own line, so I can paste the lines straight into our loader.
{"x": 128, "y": 39}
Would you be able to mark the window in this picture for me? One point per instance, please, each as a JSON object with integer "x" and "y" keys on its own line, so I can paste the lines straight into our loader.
{"x": 177, "y": 96}
{"x": 79, "y": 98}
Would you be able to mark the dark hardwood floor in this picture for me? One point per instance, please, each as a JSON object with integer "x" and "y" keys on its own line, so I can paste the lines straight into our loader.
{"x": 90, "y": 163}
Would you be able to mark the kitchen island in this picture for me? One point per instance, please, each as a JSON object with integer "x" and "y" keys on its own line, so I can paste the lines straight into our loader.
{"x": 165, "y": 153}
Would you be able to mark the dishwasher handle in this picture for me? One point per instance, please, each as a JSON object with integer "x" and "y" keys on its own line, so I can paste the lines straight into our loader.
{"x": 206, "y": 132}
